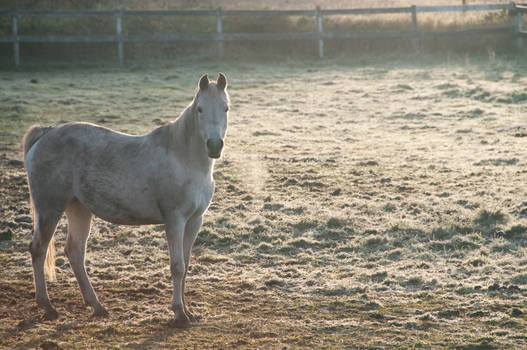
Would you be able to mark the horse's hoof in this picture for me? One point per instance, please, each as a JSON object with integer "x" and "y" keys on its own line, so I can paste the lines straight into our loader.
{"x": 101, "y": 312}
{"x": 51, "y": 315}
{"x": 182, "y": 323}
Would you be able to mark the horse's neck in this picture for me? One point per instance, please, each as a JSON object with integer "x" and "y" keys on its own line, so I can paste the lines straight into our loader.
{"x": 187, "y": 140}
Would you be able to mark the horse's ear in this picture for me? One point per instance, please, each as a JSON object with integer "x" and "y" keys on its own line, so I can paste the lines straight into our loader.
{"x": 204, "y": 82}
{"x": 222, "y": 81}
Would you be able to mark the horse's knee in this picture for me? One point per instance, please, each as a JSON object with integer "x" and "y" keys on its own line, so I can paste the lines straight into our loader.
{"x": 178, "y": 269}
{"x": 36, "y": 248}
{"x": 73, "y": 247}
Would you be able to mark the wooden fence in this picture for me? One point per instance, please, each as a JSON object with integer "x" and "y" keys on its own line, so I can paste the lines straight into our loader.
{"x": 515, "y": 28}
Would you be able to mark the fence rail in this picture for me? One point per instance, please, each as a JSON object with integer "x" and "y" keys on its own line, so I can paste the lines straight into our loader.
{"x": 515, "y": 10}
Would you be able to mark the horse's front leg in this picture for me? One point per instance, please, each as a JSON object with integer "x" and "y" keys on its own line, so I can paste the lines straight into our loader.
{"x": 175, "y": 232}
{"x": 191, "y": 232}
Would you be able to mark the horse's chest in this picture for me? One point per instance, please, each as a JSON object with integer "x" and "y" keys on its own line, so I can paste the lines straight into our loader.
{"x": 202, "y": 194}
{"x": 194, "y": 196}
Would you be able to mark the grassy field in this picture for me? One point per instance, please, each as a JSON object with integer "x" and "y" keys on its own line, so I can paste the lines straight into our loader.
{"x": 358, "y": 205}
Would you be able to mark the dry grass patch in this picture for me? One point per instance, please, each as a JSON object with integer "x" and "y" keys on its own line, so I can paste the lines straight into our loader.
{"x": 379, "y": 206}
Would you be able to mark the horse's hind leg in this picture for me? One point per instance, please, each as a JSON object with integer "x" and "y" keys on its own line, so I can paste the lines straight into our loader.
{"x": 79, "y": 222}
{"x": 44, "y": 229}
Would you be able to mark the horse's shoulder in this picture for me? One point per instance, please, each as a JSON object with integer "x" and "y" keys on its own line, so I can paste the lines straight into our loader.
{"x": 159, "y": 137}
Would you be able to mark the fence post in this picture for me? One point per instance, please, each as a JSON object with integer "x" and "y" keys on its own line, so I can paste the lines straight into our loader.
{"x": 219, "y": 29}
{"x": 16, "y": 41}
{"x": 415, "y": 40}
{"x": 519, "y": 28}
{"x": 320, "y": 32}
{"x": 119, "y": 28}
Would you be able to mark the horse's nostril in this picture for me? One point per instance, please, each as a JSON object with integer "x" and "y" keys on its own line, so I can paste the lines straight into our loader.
{"x": 214, "y": 145}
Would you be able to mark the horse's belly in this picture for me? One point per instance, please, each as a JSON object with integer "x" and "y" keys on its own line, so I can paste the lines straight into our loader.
{"x": 135, "y": 221}
{"x": 128, "y": 215}
{"x": 126, "y": 206}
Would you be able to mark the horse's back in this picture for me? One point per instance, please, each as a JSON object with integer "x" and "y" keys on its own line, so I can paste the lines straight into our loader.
{"x": 93, "y": 164}
{"x": 82, "y": 143}
{"x": 87, "y": 138}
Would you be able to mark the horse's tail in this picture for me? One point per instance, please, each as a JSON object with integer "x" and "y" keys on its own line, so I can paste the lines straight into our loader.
{"x": 33, "y": 134}
{"x": 49, "y": 265}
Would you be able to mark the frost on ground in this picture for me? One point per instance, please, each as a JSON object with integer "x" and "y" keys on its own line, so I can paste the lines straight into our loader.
{"x": 356, "y": 206}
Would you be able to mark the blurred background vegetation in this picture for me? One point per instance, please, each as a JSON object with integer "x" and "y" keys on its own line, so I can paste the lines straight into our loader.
{"x": 253, "y": 24}
{"x": 227, "y": 4}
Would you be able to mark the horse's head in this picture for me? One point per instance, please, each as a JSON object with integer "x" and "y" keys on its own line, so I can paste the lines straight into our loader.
{"x": 211, "y": 107}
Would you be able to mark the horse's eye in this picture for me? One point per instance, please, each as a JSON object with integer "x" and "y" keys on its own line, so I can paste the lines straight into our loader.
{"x": 200, "y": 110}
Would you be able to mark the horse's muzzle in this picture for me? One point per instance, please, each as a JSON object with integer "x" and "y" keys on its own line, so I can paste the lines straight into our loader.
{"x": 214, "y": 147}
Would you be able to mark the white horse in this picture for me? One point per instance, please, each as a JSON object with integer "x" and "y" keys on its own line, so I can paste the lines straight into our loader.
{"x": 164, "y": 177}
